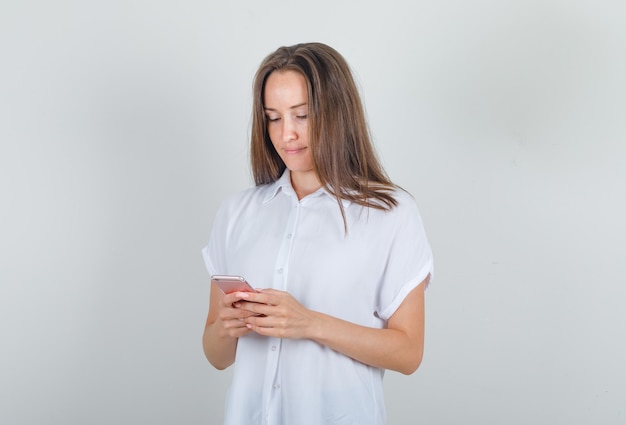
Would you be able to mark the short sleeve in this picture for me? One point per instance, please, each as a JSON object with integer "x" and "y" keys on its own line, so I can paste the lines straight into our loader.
{"x": 409, "y": 260}
{"x": 214, "y": 252}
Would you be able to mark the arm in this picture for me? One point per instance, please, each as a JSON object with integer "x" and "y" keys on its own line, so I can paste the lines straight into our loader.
{"x": 224, "y": 325}
{"x": 399, "y": 347}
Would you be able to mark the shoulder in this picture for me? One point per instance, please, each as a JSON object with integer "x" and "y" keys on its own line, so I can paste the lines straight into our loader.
{"x": 238, "y": 205}
{"x": 406, "y": 203}
{"x": 389, "y": 218}
{"x": 402, "y": 196}
{"x": 250, "y": 197}
{"x": 405, "y": 213}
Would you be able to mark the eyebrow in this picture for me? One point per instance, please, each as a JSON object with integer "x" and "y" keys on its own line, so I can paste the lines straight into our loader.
{"x": 291, "y": 107}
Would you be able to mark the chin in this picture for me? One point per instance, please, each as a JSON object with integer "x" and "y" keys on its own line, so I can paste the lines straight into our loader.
{"x": 298, "y": 167}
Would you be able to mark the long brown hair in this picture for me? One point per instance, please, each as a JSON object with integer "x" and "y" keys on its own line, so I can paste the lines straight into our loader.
{"x": 343, "y": 155}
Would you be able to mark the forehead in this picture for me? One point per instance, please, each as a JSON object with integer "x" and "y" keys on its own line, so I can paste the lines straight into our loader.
{"x": 285, "y": 88}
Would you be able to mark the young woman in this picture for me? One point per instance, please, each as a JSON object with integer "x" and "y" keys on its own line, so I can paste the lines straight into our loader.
{"x": 339, "y": 252}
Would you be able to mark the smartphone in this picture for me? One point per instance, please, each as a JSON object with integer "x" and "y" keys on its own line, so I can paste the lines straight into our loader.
{"x": 230, "y": 284}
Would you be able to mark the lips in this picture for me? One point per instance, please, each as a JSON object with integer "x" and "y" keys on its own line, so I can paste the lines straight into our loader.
{"x": 294, "y": 151}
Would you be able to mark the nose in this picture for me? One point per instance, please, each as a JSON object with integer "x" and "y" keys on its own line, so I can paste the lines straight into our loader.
{"x": 289, "y": 130}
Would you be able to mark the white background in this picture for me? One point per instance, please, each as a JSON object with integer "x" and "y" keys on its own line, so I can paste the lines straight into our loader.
{"x": 124, "y": 124}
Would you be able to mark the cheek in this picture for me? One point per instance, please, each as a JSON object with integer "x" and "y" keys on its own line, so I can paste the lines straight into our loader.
{"x": 303, "y": 131}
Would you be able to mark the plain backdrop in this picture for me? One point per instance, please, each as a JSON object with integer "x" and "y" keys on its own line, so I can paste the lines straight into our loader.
{"x": 124, "y": 124}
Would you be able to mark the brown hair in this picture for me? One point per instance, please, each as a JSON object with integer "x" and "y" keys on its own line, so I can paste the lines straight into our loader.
{"x": 343, "y": 155}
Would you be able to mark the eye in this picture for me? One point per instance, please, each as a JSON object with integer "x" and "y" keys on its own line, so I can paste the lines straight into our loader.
{"x": 302, "y": 117}
{"x": 272, "y": 119}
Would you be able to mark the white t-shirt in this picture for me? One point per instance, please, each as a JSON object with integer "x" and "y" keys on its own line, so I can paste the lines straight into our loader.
{"x": 276, "y": 241}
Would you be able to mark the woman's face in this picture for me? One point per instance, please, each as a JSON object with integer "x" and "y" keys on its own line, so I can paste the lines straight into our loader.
{"x": 286, "y": 107}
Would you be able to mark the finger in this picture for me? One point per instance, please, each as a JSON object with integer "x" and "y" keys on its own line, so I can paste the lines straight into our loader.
{"x": 257, "y": 329}
{"x": 269, "y": 291}
{"x": 265, "y": 297}
{"x": 267, "y": 331}
{"x": 266, "y": 322}
{"x": 228, "y": 299}
{"x": 255, "y": 309}
{"x": 231, "y": 313}
{"x": 239, "y": 332}
{"x": 232, "y": 297}
{"x": 234, "y": 323}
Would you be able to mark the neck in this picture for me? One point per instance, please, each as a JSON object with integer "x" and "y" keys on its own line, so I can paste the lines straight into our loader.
{"x": 304, "y": 183}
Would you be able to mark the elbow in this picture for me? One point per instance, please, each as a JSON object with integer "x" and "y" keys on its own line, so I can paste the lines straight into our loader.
{"x": 217, "y": 359}
{"x": 410, "y": 368}
{"x": 219, "y": 366}
{"x": 216, "y": 362}
{"x": 411, "y": 363}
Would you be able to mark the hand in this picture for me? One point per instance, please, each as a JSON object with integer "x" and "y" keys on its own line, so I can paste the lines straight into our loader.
{"x": 276, "y": 313}
{"x": 231, "y": 318}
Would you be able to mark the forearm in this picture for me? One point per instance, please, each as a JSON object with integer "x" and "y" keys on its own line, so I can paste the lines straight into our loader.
{"x": 392, "y": 349}
{"x": 219, "y": 347}
{"x": 398, "y": 347}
